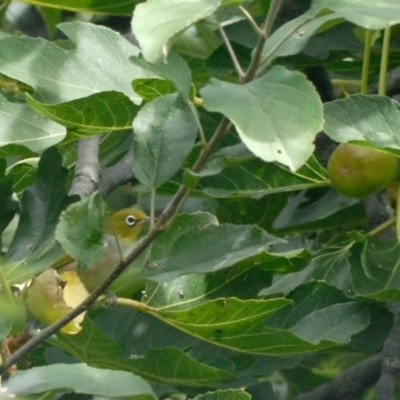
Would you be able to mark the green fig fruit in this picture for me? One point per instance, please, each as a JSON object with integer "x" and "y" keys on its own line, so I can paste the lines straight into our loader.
{"x": 51, "y": 296}
{"x": 360, "y": 171}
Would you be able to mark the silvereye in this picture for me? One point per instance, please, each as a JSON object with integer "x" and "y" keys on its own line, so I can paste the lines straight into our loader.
{"x": 55, "y": 292}
{"x": 121, "y": 235}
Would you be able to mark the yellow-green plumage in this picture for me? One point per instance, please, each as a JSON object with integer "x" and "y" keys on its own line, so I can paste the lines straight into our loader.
{"x": 121, "y": 234}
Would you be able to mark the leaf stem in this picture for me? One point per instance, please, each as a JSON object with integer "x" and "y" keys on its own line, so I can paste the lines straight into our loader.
{"x": 347, "y": 82}
{"x": 203, "y": 139}
{"x": 251, "y": 20}
{"x": 366, "y": 58}
{"x": 231, "y": 52}
{"x": 5, "y": 284}
{"x": 137, "y": 305}
{"x": 382, "y": 227}
{"x": 384, "y": 62}
{"x": 398, "y": 210}
{"x": 152, "y": 207}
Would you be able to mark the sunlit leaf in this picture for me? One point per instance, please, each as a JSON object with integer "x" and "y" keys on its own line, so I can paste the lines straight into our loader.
{"x": 375, "y": 119}
{"x": 156, "y": 27}
{"x": 260, "y": 109}
{"x": 116, "y": 7}
{"x": 375, "y": 269}
{"x": 366, "y": 13}
{"x": 158, "y": 128}
{"x": 81, "y": 378}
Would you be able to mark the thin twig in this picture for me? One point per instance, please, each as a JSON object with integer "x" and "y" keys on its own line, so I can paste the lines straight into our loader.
{"x": 251, "y": 20}
{"x": 384, "y": 62}
{"x": 231, "y": 52}
{"x": 381, "y": 228}
{"x": 366, "y": 60}
{"x": 272, "y": 13}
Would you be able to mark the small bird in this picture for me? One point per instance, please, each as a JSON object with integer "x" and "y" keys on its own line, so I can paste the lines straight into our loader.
{"x": 121, "y": 236}
{"x": 55, "y": 292}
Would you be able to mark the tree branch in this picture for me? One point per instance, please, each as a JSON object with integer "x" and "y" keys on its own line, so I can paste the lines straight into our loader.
{"x": 87, "y": 167}
{"x": 386, "y": 387}
{"x": 350, "y": 384}
{"x": 266, "y": 29}
{"x": 116, "y": 175}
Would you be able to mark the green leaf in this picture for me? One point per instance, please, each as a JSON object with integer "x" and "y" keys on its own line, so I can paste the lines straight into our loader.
{"x": 101, "y": 112}
{"x": 156, "y": 27}
{"x": 260, "y": 110}
{"x": 80, "y": 230}
{"x": 375, "y": 269}
{"x": 220, "y": 62}
{"x": 150, "y": 89}
{"x": 164, "y": 133}
{"x": 183, "y": 224}
{"x": 20, "y": 125}
{"x": 51, "y": 17}
{"x": 93, "y": 347}
{"x": 23, "y": 174}
{"x": 210, "y": 249}
{"x": 373, "y": 118}
{"x": 174, "y": 69}
{"x": 198, "y": 42}
{"x": 41, "y": 206}
{"x": 80, "y": 378}
{"x": 234, "y": 177}
{"x": 6, "y": 316}
{"x": 366, "y": 13}
{"x": 292, "y": 37}
{"x": 238, "y": 325}
{"x": 321, "y": 312}
{"x": 186, "y": 372}
{"x": 244, "y": 281}
{"x": 16, "y": 150}
{"x": 224, "y": 395}
{"x": 148, "y": 332}
{"x": 8, "y": 205}
{"x": 114, "y": 7}
{"x": 329, "y": 211}
{"x": 98, "y": 63}
{"x": 306, "y": 299}
{"x": 336, "y": 323}
{"x": 329, "y": 265}
{"x": 371, "y": 339}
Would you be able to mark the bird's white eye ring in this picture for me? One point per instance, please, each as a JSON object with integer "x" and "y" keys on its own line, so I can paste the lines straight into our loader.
{"x": 130, "y": 220}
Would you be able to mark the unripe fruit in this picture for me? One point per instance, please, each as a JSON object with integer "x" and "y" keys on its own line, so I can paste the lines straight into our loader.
{"x": 359, "y": 171}
{"x": 51, "y": 296}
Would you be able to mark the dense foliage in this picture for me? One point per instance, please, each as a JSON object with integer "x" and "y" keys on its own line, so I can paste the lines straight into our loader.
{"x": 218, "y": 118}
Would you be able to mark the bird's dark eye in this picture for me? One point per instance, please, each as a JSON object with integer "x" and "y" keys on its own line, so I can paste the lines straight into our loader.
{"x": 130, "y": 220}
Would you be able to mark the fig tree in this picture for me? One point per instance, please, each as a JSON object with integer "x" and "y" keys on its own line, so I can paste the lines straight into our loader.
{"x": 360, "y": 171}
